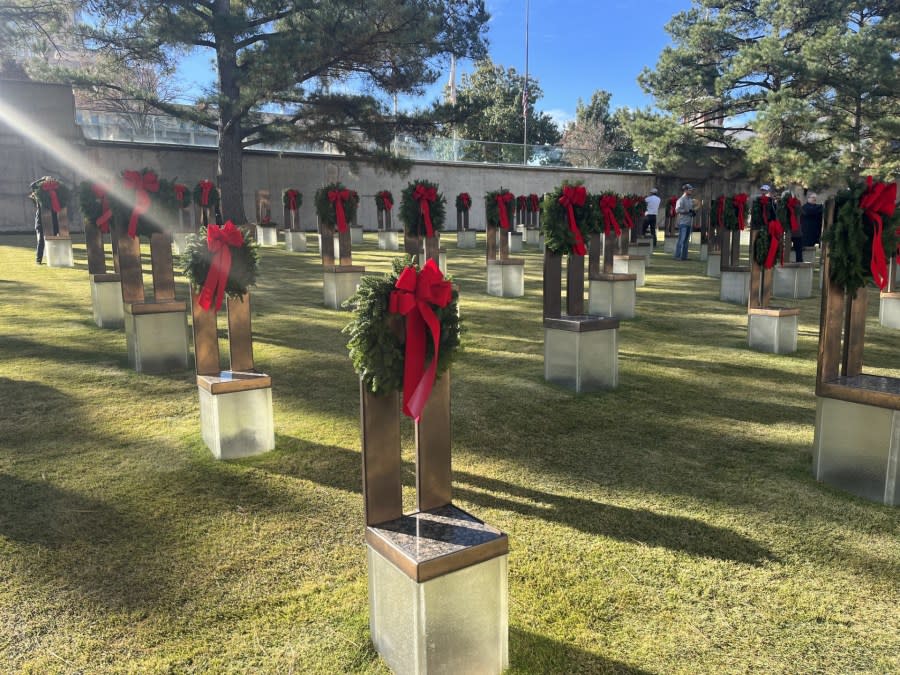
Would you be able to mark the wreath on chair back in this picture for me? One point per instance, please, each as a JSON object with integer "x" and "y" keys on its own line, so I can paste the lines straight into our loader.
{"x": 378, "y": 338}
{"x": 334, "y": 200}
{"x": 422, "y": 209}
{"x": 52, "y": 195}
{"x": 197, "y": 259}
{"x": 864, "y": 234}
{"x": 567, "y": 218}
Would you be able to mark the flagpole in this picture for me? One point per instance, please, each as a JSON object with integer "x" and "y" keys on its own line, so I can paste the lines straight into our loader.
{"x": 525, "y": 90}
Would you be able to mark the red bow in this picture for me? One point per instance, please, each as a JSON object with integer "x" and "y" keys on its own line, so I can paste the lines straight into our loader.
{"x": 424, "y": 196}
{"x": 465, "y": 199}
{"x": 878, "y": 200}
{"x": 106, "y": 213}
{"x": 180, "y": 191}
{"x": 740, "y": 201}
{"x": 413, "y": 298}
{"x": 535, "y": 202}
{"x": 206, "y": 187}
{"x": 142, "y": 184}
{"x": 502, "y": 200}
{"x": 220, "y": 241}
{"x": 292, "y": 200}
{"x": 672, "y": 202}
{"x": 521, "y": 202}
{"x": 776, "y": 232}
{"x": 386, "y": 200}
{"x": 572, "y": 196}
{"x": 607, "y": 204}
{"x": 338, "y": 197}
{"x": 52, "y": 186}
{"x": 628, "y": 204}
{"x": 720, "y": 211}
{"x": 792, "y": 204}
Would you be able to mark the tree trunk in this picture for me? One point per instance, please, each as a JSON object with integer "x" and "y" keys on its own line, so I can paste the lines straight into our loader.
{"x": 230, "y": 169}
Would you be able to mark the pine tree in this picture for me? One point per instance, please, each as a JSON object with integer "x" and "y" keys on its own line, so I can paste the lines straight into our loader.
{"x": 285, "y": 68}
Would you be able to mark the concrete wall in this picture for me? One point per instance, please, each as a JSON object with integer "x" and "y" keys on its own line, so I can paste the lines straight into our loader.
{"x": 51, "y": 143}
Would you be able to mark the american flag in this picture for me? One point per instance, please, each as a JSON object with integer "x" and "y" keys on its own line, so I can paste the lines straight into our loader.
{"x": 525, "y": 100}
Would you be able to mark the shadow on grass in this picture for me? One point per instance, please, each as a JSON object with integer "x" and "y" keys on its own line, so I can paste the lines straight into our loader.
{"x": 532, "y": 653}
{"x": 85, "y": 543}
{"x": 18, "y": 348}
{"x": 340, "y": 468}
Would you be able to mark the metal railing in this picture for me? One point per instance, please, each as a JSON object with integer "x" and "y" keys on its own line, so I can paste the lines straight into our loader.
{"x": 163, "y": 129}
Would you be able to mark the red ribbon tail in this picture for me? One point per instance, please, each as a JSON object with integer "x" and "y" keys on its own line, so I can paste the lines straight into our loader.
{"x": 414, "y": 365}
{"x": 425, "y": 382}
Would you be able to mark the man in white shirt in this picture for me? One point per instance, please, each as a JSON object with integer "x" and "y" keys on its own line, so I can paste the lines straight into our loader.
{"x": 684, "y": 208}
{"x": 652, "y": 200}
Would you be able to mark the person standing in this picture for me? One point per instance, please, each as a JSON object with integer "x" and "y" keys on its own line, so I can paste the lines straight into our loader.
{"x": 684, "y": 210}
{"x": 811, "y": 220}
{"x": 38, "y": 226}
{"x": 652, "y": 200}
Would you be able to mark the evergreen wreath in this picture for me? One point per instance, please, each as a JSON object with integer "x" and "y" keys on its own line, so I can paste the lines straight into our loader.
{"x": 40, "y": 195}
{"x": 558, "y": 237}
{"x": 492, "y": 211}
{"x": 160, "y": 217}
{"x": 325, "y": 209}
{"x": 849, "y": 240}
{"x": 91, "y": 208}
{"x": 185, "y": 201}
{"x": 761, "y": 246}
{"x": 618, "y": 212}
{"x": 411, "y": 212}
{"x": 461, "y": 201}
{"x": 785, "y": 218}
{"x": 378, "y": 339}
{"x": 285, "y": 200}
{"x": 638, "y": 208}
{"x": 379, "y": 199}
{"x": 214, "y": 197}
{"x": 757, "y": 219}
{"x": 730, "y": 214}
{"x": 196, "y": 262}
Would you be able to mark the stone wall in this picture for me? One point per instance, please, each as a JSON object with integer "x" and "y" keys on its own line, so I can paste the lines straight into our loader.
{"x": 46, "y": 140}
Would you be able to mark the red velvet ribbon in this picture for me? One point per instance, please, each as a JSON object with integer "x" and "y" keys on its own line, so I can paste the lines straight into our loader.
{"x": 740, "y": 201}
{"x": 628, "y": 204}
{"x": 220, "y": 241}
{"x": 52, "y": 186}
{"x": 292, "y": 199}
{"x": 143, "y": 185}
{"x": 386, "y": 200}
{"x": 413, "y": 298}
{"x": 776, "y": 232}
{"x": 424, "y": 196}
{"x": 465, "y": 199}
{"x": 791, "y": 205}
{"x": 206, "y": 187}
{"x": 106, "y": 213}
{"x": 878, "y": 200}
{"x": 672, "y": 202}
{"x": 572, "y": 196}
{"x": 502, "y": 201}
{"x": 338, "y": 197}
{"x": 607, "y": 204}
{"x": 180, "y": 191}
{"x": 720, "y": 211}
{"x": 535, "y": 202}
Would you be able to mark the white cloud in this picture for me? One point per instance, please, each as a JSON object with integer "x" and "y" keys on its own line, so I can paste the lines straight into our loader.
{"x": 560, "y": 116}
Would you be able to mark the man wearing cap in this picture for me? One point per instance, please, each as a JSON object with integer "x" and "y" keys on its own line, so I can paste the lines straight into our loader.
{"x": 652, "y": 200}
{"x": 684, "y": 208}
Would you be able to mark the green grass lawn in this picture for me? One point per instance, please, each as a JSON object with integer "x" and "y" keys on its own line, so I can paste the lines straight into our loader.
{"x": 669, "y": 526}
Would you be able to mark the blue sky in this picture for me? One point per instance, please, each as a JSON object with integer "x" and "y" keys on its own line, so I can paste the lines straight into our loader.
{"x": 575, "y": 48}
